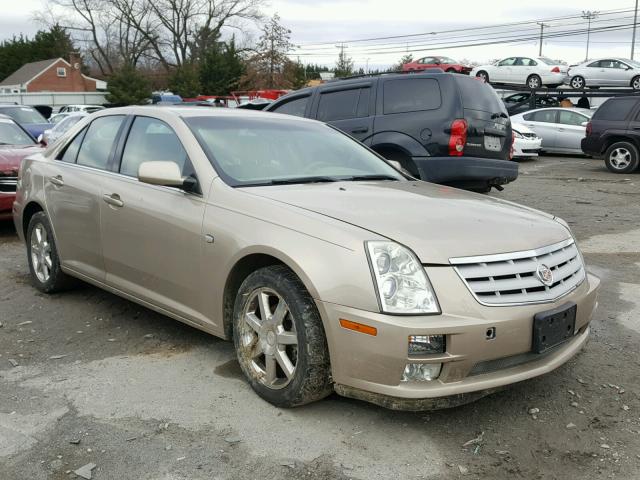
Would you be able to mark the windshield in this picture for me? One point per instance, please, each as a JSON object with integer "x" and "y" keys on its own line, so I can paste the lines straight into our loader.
{"x": 12, "y": 134}
{"x": 263, "y": 151}
{"x": 478, "y": 95}
{"x": 23, "y": 115}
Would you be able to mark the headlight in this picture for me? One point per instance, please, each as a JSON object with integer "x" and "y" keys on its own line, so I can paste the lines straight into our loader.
{"x": 517, "y": 134}
{"x": 402, "y": 283}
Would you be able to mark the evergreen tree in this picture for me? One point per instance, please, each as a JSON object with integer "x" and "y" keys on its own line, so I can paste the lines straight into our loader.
{"x": 185, "y": 81}
{"x": 396, "y": 67}
{"x": 127, "y": 86}
{"x": 221, "y": 68}
{"x": 344, "y": 65}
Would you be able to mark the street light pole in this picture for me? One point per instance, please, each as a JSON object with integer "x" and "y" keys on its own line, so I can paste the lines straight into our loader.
{"x": 635, "y": 23}
{"x": 588, "y": 15}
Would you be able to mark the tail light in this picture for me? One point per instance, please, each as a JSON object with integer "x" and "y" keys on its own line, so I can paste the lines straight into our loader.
{"x": 458, "y": 138}
{"x": 555, "y": 70}
{"x": 589, "y": 128}
{"x": 513, "y": 140}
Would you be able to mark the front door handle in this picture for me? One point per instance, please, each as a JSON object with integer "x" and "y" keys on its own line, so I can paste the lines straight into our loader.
{"x": 113, "y": 200}
{"x": 57, "y": 180}
{"x": 360, "y": 130}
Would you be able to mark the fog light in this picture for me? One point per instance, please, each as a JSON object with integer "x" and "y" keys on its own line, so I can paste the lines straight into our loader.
{"x": 421, "y": 372}
{"x": 426, "y": 344}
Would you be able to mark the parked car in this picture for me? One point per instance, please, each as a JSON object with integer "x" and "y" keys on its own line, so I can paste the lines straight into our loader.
{"x": 534, "y": 72}
{"x": 561, "y": 129}
{"x": 15, "y": 145}
{"x": 445, "y": 63}
{"x": 613, "y": 134}
{"x": 53, "y": 134}
{"x": 165, "y": 98}
{"x": 519, "y": 102}
{"x": 28, "y": 117}
{"x": 527, "y": 143}
{"x": 328, "y": 268}
{"x": 605, "y": 72}
{"x": 80, "y": 108}
{"x": 440, "y": 127}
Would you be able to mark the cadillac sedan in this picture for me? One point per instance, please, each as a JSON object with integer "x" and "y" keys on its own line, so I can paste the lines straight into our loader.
{"x": 329, "y": 269}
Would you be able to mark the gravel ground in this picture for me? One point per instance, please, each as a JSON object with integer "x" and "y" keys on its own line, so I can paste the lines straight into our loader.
{"x": 89, "y": 378}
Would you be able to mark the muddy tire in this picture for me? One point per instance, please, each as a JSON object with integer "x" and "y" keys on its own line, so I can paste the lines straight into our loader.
{"x": 42, "y": 255}
{"x": 622, "y": 157}
{"x": 279, "y": 339}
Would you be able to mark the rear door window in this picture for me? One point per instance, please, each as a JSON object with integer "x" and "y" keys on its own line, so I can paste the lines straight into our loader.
{"x": 99, "y": 142}
{"x": 295, "y": 107}
{"x": 543, "y": 116}
{"x": 411, "y": 95}
{"x": 345, "y": 104}
{"x": 571, "y": 118}
{"x": 615, "y": 109}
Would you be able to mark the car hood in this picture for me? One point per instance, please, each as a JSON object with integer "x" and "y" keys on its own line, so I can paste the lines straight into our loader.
{"x": 12, "y": 155}
{"x": 436, "y": 222}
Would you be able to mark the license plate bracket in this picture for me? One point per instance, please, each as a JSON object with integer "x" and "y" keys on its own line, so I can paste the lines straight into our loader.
{"x": 553, "y": 327}
{"x": 492, "y": 143}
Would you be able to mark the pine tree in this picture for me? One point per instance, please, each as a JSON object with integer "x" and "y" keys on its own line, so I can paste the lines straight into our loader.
{"x": 127, "y": 86}
{"x": 344, "y": 65}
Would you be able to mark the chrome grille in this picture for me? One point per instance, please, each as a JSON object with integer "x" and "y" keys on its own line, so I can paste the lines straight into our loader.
{"x": 507, "y": 279}
{"x": 8, "y": 184}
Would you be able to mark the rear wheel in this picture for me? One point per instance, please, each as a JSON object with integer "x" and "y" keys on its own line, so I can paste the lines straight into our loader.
{"x": 577, "y": 82}
{"x": 622, "y": 157}
{"x": 42, "y": 254}
{"x": 534, "y": 81}
{"x": 279, "y": 339}
{"x": 635, "y": 83}
{"x": 483, "y": 75}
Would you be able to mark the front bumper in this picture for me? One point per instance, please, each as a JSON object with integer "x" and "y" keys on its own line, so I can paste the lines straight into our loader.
{"x": 6, "y": 204}
{"x": 371, "y": 367}
{"x": 466, "y": 171}
{"x": 524, "y": 147}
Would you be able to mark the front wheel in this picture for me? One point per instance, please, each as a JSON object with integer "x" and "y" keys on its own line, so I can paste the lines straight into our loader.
{"x": 534, "y": 81}
{"x": 635, "y": 83}
{"x": 577, "y": 82}
{"x": 483, "y": 76}
{"x": 42, "y": 255}
{"x": 279, "y": 339}
{"x": 622, "y": 157}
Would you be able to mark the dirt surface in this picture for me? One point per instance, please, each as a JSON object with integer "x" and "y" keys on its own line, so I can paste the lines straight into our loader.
{"x": 100, "y": 380}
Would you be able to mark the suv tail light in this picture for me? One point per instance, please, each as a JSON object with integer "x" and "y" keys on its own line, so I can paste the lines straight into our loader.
{"x": 555, "y": 70}
{"x": 458, "y": 138}
{"x": 589, "y": 128}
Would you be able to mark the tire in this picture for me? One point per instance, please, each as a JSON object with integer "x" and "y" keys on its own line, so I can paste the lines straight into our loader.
{"x": 534, "y": 81}
{"x": 635, "y": 83}
{"x": 577, "y": 82}
{"x": 42, "y": 255}
{"x": 622, "y": 157}
{"x": 258, "y": 344}
{"x": 483, "y": 75}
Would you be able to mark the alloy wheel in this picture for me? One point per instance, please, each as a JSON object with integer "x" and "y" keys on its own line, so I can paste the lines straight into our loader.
{"x": 620, "y": 158}
{"x": 635, "y": 84}
{"x": 577, "y": 83}
{"x": 268, "y": 339}
{"x": 41, "y": 253}
{"x": 534, "y": 82}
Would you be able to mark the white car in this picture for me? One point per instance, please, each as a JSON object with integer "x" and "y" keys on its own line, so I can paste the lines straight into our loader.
{"x": 80, "y": 108}
{"x": 561, "y": 129}
{"x": 51, "y": 135}
{"x": 605, "y": 72}
{"x": 534, "y": 72}
{"x": 527, "y": 143}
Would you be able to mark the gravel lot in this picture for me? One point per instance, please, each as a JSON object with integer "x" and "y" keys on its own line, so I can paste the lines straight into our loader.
{"x": 100, "y": 380}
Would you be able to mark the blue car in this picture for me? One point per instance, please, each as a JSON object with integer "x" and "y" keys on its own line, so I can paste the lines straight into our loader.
{"x": 28, "y": 117}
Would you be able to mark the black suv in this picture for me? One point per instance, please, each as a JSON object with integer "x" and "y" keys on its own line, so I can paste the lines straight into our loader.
{"x": 441, "y": 127}
{"x": 614, "y": 133}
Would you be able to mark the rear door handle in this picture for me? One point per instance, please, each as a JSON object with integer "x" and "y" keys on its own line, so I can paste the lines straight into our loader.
{"x": 113, "y": 199}
{"x": 57, "y": 180}
{"x": 360, "y": 130}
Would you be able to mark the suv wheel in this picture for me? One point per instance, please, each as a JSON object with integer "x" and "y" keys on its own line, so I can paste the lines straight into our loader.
{"x": 622, "y": 157}
{"x": 635, "y": 83}
{"x": 577, "y": 82}
{"x": 280, "y": 340}
{"x": 534, "y": 81}
{"x": 483, "y": 75}
{"x": 42, "y": 255}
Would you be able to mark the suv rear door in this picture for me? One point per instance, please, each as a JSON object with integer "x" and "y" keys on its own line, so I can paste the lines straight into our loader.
{"x": 348, "y": 108}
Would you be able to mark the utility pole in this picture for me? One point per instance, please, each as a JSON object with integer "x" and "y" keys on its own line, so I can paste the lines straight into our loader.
{"x": 635, "y": 23}
{"x": 542, "y": 25}
{"x": 588, "y": 15}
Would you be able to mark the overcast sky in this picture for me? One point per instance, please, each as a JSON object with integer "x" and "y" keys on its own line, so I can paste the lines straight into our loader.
{"x": 344, "y": 20}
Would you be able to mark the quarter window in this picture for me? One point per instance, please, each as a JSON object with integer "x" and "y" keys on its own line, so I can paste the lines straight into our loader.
{"x": 411, "y": 95}
{"x": 152, "y": 139}
{"x": 295, "y": 107}
{"x": 99, "y": 141}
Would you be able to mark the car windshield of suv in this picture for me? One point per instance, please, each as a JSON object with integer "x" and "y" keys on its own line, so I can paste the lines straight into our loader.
{"x": 23, "y": 115}
{"x": 12, "y": 134}
{"x": 252, "y": 152}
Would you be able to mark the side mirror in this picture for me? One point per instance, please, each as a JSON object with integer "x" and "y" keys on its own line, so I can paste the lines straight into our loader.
{"x": 166, "y": 174}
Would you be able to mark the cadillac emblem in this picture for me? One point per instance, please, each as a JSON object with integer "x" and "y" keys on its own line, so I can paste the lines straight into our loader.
{"x": 545, "y": 275}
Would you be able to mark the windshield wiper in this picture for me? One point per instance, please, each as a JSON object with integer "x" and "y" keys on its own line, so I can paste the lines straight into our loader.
{"x": 291, "y": 181}
{"x": 357, "y": 178}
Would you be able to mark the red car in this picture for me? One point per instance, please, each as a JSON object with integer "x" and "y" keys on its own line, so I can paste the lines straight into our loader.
{"x": 15, "y": 144}
{"x": 445, "y": 63}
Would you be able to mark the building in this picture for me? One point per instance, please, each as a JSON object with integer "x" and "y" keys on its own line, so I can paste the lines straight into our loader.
{"x": 54, "y": 75}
